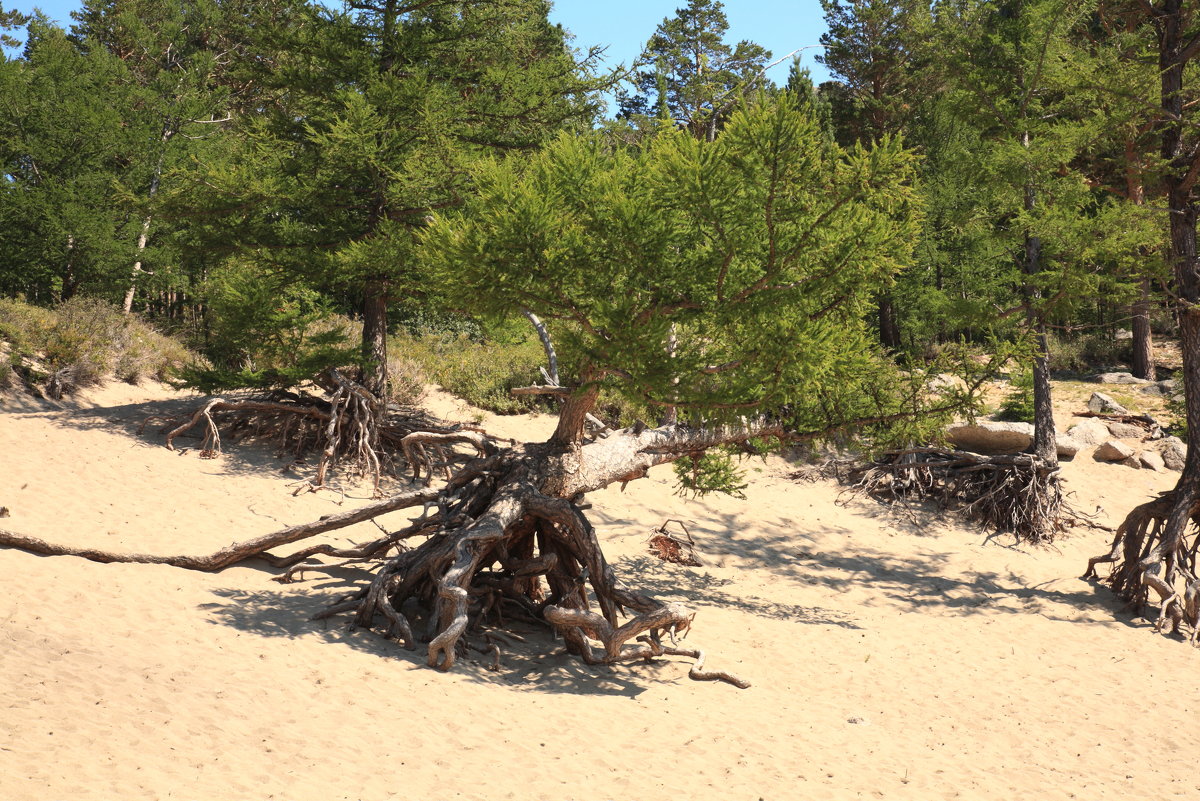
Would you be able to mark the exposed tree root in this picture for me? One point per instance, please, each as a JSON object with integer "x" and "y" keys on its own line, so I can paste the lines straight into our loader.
{"x": 505, "y": 539}
{"x": 1018, "y": 493}
{"x": 1154, "y": 549}
{"x": 349, "y": 426}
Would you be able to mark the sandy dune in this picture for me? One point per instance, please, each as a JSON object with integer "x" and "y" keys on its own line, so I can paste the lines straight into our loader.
{"x": 890, "y": 658}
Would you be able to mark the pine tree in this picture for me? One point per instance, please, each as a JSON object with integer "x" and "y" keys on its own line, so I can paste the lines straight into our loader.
{"x": 692, "y": 77}
{"x": 378, "y": 115}
{"x": 66, "y": 137}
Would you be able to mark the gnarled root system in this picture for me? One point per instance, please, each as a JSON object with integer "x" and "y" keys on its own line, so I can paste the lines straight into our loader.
{"x": 1010, "y": 492}
{"x": 1154, "y": 551}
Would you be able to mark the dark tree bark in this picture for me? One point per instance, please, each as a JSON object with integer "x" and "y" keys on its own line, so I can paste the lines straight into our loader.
{"x": 1151, "y": 550}
{"x": 1143, "y": 342}
{"x": 374, "y": 338}
{"x": 889, "y": 330}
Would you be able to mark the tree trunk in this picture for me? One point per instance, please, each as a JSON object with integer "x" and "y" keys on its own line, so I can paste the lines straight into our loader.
{"x": 1143, "y": 343}
{"x": 1045, "y": 444}
{"x": 374, "y": 337}
{"x": 889, "y": 331}
{"x": 70, "y": 281}
{"x": 144, "y": 235}
{"x": 573, "y": 416}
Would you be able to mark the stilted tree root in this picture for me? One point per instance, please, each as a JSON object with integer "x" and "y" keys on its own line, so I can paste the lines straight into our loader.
{"x": 505, "y": 539}
{"x": 351, "y": 426}
{"x": 1011, "y": 492}
{"x": 1154, "y": 550}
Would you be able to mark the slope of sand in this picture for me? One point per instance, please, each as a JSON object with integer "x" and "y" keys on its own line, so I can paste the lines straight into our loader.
{"x": 890, "y": 658}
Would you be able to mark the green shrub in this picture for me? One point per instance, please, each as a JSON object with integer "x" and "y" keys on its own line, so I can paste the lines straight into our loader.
{"x": 481, "y": 373}
{"x": 266, "y": 333}
{"x": 84, "y": 341}
{"x": 1088, "y": 352}
{"x": 1017, "y": 406}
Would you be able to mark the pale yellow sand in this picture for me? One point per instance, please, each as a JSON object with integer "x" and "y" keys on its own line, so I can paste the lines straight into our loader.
{"x": 889, "y": 660}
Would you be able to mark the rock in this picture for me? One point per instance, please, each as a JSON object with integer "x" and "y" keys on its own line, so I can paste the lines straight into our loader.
{"x": 1161, "y": 389}
{"x": 1125, "y": 430}
{"x": 1113, "y": 451}
{"x": 1151, "y": 460}
{"x": 1088, "y": 432}
{"x": 1103, "y": 404}
{"x": 991, "y": 437}
{"x": 1066, "y": 446}
{"x": 1123, "y": 333}
{"x": 1174, "y": 452}
{"x": 1119, "y": 378}
{"x": 944, "y": 383}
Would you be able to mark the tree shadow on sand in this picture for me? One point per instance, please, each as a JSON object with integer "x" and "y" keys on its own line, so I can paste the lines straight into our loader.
{"x": 538, "y": 664}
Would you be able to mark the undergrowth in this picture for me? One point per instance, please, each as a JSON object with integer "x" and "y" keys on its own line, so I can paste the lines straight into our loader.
{"x": 80, "y": 343}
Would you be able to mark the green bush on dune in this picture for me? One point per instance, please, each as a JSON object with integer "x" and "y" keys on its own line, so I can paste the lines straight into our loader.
{"x": 80, "y": 343}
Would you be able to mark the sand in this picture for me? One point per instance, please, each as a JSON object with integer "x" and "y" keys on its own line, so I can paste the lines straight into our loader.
{"x": 890, "y": 658}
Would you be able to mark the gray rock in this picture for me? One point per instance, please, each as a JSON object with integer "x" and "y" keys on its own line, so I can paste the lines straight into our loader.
{"x": 991, "y": 437}
{"x": 1174, "y": 453}
{"x": 944, "y": 383}
{"x": 1125, "y": 430}
{"x": 1151, "y": 460}
{"x": 1161, "y": 389}
{"x": 1103, "y": 404}
{"x": 1123, "y": 333}
{"x": 1088, "y": 432}
{"x": 1113, "y": 451}
{"x": 1119, "y": 378}
{"x": 1066, "y": 446}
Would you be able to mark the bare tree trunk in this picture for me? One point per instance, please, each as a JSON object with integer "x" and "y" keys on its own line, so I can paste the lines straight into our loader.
{"x": 547, "y": 345}
{"x": 374, "y": 337}
{"x": 144, "y": 235}
{"x": 889, "y": 330}
{"x": 1045, "y": 443}
{"x": 70, "y": 281}
{"x": 1143, "y": 343}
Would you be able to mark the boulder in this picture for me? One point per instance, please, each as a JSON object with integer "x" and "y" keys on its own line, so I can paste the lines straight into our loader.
{"x": 1125, "y": 430}
{"x": 1100, "y": 403}
{"x": 991, "y": 437}
{"x": 1161, "y": 389}
{"x": 1119, "y": 378}
{"x": 944, "y": 383}
{"x": 1066, "y": 446}
{"x": 1088, "y": 432}
{"x": 1151, "y": 460}
{"x": 1113, "y": 451}
{"x": 1174, "y": 452}
{"x": 1123, "y": 333}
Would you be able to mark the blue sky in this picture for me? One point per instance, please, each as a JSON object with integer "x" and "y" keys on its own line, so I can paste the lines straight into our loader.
{"x": 624, "y": 25}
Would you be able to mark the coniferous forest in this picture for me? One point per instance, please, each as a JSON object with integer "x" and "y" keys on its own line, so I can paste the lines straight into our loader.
{"x": 310, "y": 213}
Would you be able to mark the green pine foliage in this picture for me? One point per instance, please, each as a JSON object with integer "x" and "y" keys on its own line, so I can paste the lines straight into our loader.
{"x": 761, "y": 248}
